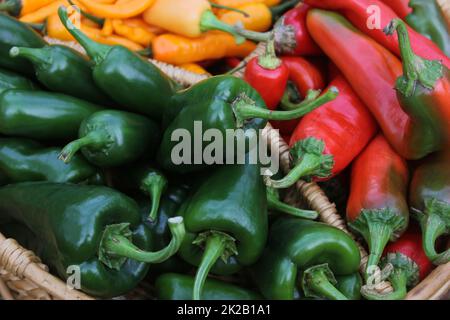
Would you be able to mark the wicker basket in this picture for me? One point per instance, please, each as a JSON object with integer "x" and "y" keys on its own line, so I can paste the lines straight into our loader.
{"x": 23, "y": 276}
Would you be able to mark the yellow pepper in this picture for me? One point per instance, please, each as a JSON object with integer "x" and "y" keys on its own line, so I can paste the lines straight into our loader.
{"x": 107, "y": 29}
{"x": 119, "y": 10}
{"x": 20, "y": 8}
{"x": 139, "y": 22}
{"x": 176, "y": 49}
{"x": 189, "y": 18}
{"x": 43, "y": 13}
{"x": 259, "y": 17}
{"x": 137, "y": 34}
{"x": 194, "y": 68}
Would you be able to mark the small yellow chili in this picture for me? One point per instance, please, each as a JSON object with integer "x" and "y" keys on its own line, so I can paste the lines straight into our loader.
{"x": 119, "y": 10}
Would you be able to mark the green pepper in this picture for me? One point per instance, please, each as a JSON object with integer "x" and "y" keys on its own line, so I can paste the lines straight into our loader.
{"x": 14, "y": 33}
{"x": 111, "y": 138}
{"x": 226, "y": 218}
{"x": 427, "y": 19}
{"x": 172, "y": 286}
{"x": 24, "y": 160}
{"x": 350, "y": 285}
{"x": 62, "y": 69}
{"x": 318, "y": 250}
{"x": 42, "y": 115}
{"x": 142, "y": 177}
{"x": 274, "y": 203}
{"x": 429, "y": 198}
{"x": 126, "y": 77}
{"x": 220, "y": 103}
{"x": 10, "y": 80}
{"x": 91, "y": 227}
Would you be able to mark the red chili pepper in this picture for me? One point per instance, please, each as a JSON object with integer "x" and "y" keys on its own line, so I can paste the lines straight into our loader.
{"x": 306, "y": 76}
{"x": 400, "y": 7}
{"x": 372, "y": 72}
{"x": 377, "y": 206}
{"x": 424, "y": 88}
{"x": 410, "y": 265}
{"x": 268, "y": 75}
{"x": 357, "y": 11}
{"x": 345, "y": 125}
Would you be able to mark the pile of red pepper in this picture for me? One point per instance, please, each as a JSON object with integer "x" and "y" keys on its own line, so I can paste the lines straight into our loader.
{"x": 88, "y": 176}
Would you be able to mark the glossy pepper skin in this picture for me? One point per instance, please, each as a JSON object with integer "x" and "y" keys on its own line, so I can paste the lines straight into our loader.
{"x": 429, "y": 197}
{"x": 345, "y": 126}
{"x": 227, "y": 216}
{"x": 64, "y": 70}
{"x": 42, "y": 115}
{"x": 318, "y": 250}
{"x": 357, "y": 55}
{"x": 377, "y": 207}
{"x": 70, "y": 224}
{"x": 410, "y": 265}
{"x": 268, "y": 75}
{"x": 22, "y": 7}
{"x": 225, "y": 103}
{"x": 350, "y": 285}
{"x": 172, "y": 286}
{"x": 400, "y": 7}
{"x": 118, "y": 71}
{"x": 110, "y": 138}
{"x": 357, "y": 12}
{"x": 424, "y": 88}
{"x": 11, "y": 80}
{"x": 24, "y": 160}
{"x": 14, "y": 33}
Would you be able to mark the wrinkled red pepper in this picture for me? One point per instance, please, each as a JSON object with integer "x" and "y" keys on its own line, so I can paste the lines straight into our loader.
{"x": 345, "y": 125}
{"x": 359, "y": 13}
{"x": 377, "y": 206}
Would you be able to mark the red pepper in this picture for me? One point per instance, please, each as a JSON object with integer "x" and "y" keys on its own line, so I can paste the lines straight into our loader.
{"x": 410, "y": 264}
{"x": 424, "y": 88}
{"x": 372, "y": 72}
{"x": 306, "y": 76}
{"x": 345, "y": 125}
{"x": 268, "y": 75}
{"x": 357, "y": 12}
{"x": 400, "y": 7}
{"x": 377, "y": 206}
{"x": 232, "y": 62}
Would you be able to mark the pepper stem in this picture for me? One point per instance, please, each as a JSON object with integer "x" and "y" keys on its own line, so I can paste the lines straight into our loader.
{"x": 94, "y": 139}
{"x": 35, "y": 55}
{"x": 96, "y": 51}
{"x": 283, "y": 7}
{"x": 209, "y": 21}
{"x": 91, "y": 17}
{"x": 245, "y": 109}
{"x": 253, "y": 35}
{"x": 319, "y": 282}
{"x": 116, "y": 245}
{"x": 274, "y": 203}
{"x": 398, "y": 281}
{"x": 217, "y": 245}
{"x": 11, "y": 6}
{"x": 377, "y": 226}
{"x": 286, "y": 103}
{"x": 415, "y": 69}
{"x": 310, "y": 161}
{"x": 269, "y": 59}
{"x": 154, "y": 185}
{"x": 221, "y": 6}
{"x": 435, "y": 222}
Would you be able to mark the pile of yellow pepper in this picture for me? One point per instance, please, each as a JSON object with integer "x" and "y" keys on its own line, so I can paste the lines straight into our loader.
{"x": 171, "y": 29}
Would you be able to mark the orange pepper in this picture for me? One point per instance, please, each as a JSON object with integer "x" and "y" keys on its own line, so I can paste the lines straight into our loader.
{"x": 139, "y": 22}
{"x": 55, "y": 28}
{"x": 43, "y": 13}
{"x": 107, "y": 28}
{"x": 95, "y": 34}
{"x": 259, "y": 17}
{"x": 122, "y": 10}
{"x": 136, "y": 34}
{"x": 176, "y": 49}
{"x": 194, "y": 68}
{"x": 238, "y": 3}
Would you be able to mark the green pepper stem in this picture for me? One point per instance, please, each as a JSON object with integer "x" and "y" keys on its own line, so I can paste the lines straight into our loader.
{"x": 415, "y": 68}
{"x": 87, "y": 15}
{"x": 434, "y": 227}
{"x": 9, "y": 6}
{"x": 96, "y": 51}
{"x": 35, "y": 55}
{"x": 94, "y": 139}
{"x": 269, "y": 59}
{"x": 317, "y": 281}
{"x": 286, "y": 103}
{"x": 216, "y": 245}
{"x": 244, "y": 110}
{"x": 117, "y": 245}
{"x": 38, "y": 26}
{"x": 253, "y": 35}
{"x": 274, "y": 203}
{"x": 154, "y": 185}
{"x": 398, "y": 280}
{"x": 221, "y": 6}
{"x": 209, "y": 21}
{"x": 379, "y": 235}
{"x": 283, "y": 7}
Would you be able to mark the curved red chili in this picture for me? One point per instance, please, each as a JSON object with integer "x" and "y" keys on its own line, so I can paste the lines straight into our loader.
{"x": 400, "y": 7}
